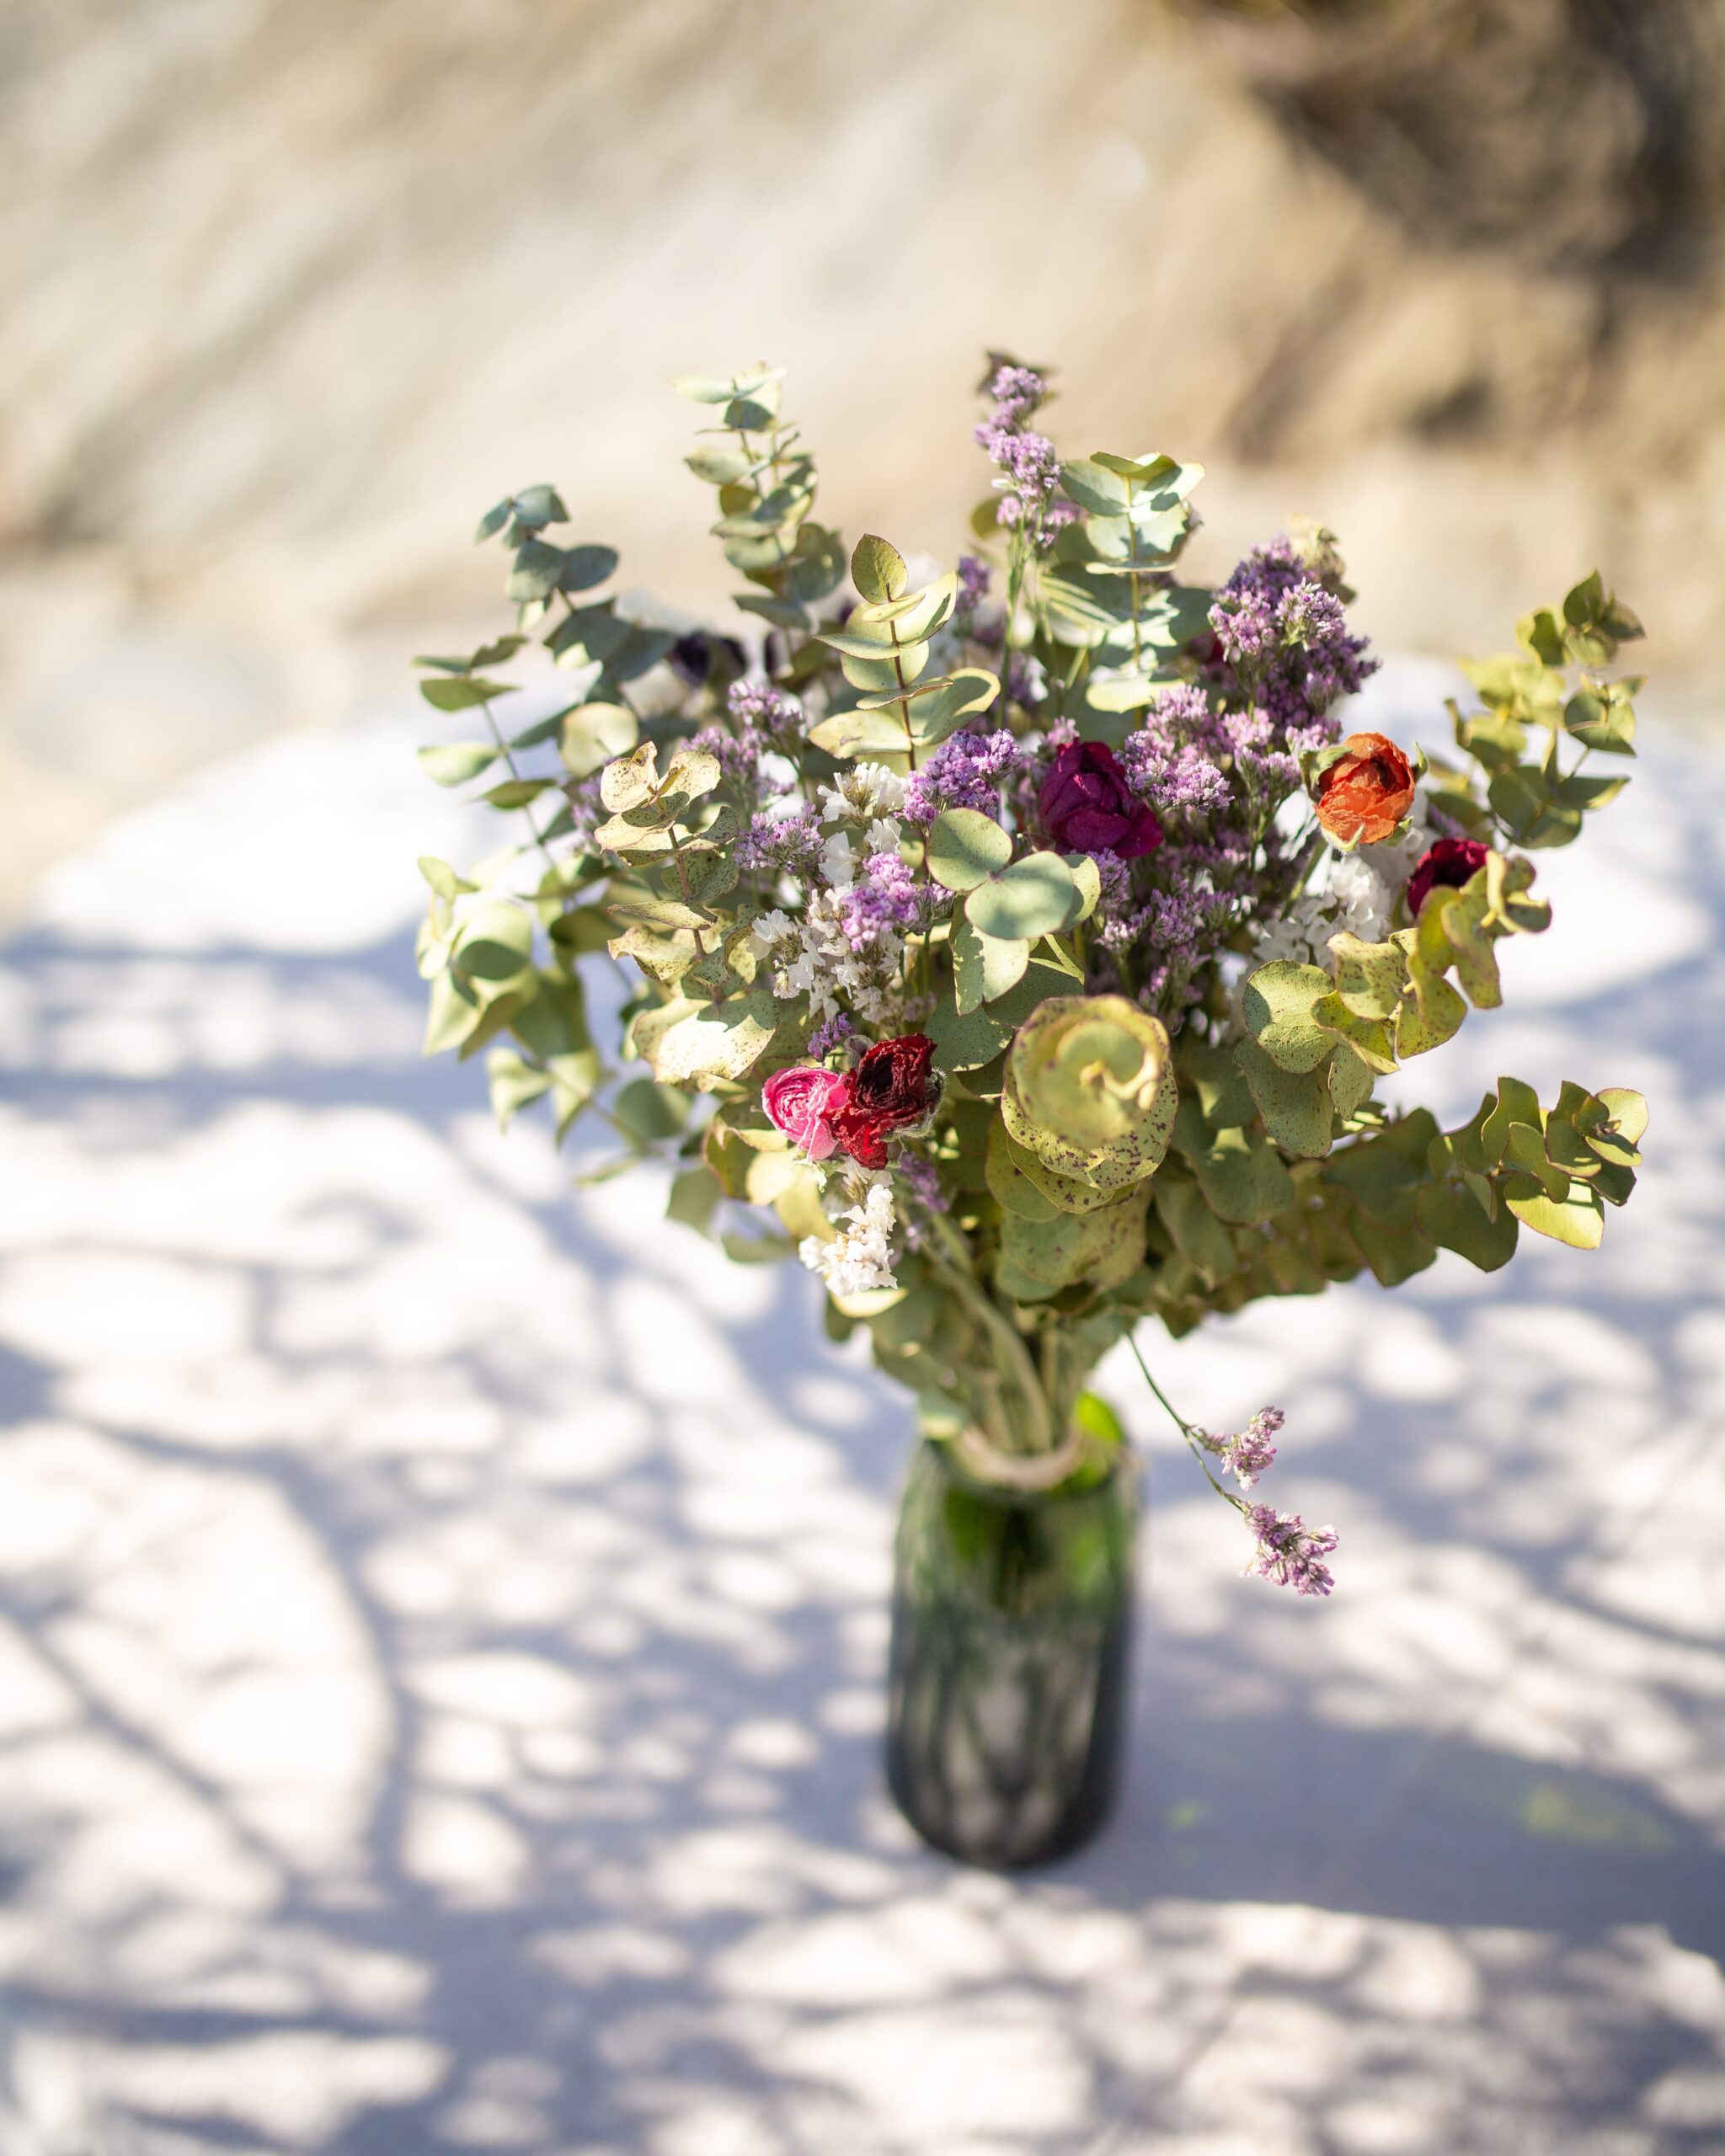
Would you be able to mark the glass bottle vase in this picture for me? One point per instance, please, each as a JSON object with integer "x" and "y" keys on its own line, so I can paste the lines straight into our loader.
{"x": 1012, "y": 1626}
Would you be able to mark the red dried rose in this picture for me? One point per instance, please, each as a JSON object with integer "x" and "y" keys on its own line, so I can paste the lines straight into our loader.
{"x": 1087, "y": 805}
{"x": 889, "y": 1088}
{"x": 1448, "y": 863}
{"x": 1366, "y": 792}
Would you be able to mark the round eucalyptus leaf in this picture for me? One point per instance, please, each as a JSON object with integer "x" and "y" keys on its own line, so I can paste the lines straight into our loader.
{"x": 965, "y": 849}
{"x": 1033, "y": 897}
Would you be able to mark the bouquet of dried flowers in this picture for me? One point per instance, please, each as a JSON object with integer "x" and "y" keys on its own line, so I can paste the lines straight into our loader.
{"x": 1026, "y": 940}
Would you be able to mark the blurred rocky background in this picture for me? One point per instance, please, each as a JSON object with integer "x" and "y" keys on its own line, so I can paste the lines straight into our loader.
{"x": 295, "y": 290}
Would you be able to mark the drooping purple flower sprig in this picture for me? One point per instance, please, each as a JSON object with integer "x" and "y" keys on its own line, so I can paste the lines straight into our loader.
{"x": 1288, "y": 1552}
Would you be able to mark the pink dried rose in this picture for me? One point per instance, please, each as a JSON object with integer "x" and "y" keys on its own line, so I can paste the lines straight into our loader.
{"x": 802, "y": 1102}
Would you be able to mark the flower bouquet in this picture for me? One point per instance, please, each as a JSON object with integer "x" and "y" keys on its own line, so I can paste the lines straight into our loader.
{"x": 1019, "y": 948}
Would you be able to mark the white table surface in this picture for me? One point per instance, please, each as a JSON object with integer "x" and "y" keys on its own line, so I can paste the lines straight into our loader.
{"x": 441, "y": 1616}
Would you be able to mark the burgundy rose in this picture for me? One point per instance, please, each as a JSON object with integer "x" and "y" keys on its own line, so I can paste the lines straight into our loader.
{"x": 803, "y": 1102}
{"x": 1448, "y": 863}
{"x": 1087, "y": 805}
{"x": 889, "y": 1088}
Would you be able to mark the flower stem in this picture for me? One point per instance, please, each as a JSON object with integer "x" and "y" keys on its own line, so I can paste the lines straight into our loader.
{"x": 1187, "y": 1430}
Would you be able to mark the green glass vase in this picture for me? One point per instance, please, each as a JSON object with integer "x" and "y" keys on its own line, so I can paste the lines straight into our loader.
{"x": 1012, "y": 1630}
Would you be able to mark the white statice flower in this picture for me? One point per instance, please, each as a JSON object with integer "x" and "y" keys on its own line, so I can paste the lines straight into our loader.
{"x": 838, "y": 865}
{"x": 870, "y": 980}
{"x": 774, "y": 928}
{"x": 882, "y": 835}
{"x": 1364, "y": 897}
{"x": 862, "y": 794}
{"x": 860, "y": 1256}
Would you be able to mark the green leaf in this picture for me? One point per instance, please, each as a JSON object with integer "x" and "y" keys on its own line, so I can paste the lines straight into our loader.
{"x": 985, "y": 968}
{"x": 583, "y": 567}
{"x": 1027, "y": 899}
{"x": 1242, "y": 1177}
{"x": 1196, "y": 1234}
{"x": 936, "y": 707}
{"x": 716, "y": 1041}
{"x": 513, "y": 1084}
{"x": 1296, "y": 1107}
{"x": 878, "y": 569}
{"x": 453, "y": 763}
{"x": 723, "y": 389}
{"x": 538, "y": 569}
{"x": 861, "y": 733}
{"x": 1369, "y": 977}
{"x": 1517, "y": 1102}
{"x": 1012, "y": 1188}
{"x": 1577, "y": 1220}
{"x": 1602, "y": 718}
{"x": 442, "y": 877}
{"x": 1450, "y": 1213}
{"x": 1628, "y": 1111}
{"x": 1278, "y": 1007}
{"x": 650, "y": 1111}
{"x": 591, "y": 734}
{"x": 965, "y": 848}
{"x": 457, "y": 694}
{"x": 720, "y": 466}
{"x": 515, "y": 792}
{"x": 494, "y": 949}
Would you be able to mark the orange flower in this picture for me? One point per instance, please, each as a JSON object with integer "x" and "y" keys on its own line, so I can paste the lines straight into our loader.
{"x": 1366, "y": 792}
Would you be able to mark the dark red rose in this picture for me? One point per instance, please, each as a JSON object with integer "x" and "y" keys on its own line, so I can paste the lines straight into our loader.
{"x": 889, "y": 1088}
{"x": 1448, "y": 862}
{"x": 1088, "y": 806}
{"x": 1364, "y": 793}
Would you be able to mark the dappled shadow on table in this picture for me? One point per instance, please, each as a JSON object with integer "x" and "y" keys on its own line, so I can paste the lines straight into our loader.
{"x": 443, "y": 1629}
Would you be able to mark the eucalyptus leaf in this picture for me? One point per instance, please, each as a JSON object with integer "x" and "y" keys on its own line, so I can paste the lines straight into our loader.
{"x": 965, "y": 848}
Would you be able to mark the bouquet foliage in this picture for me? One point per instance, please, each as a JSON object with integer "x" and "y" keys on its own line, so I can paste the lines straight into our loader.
{"x": 1025, "y": 942}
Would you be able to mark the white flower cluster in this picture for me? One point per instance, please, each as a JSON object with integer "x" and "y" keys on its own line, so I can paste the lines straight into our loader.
{"x": 813, "y": 957}
{"x": 1358, "y": 897}
{"x": 860, "y": 1255}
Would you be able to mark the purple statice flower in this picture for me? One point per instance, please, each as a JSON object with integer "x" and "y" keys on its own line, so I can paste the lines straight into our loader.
{"x": 921, "y": 1180}
{"x": 786, "y": 844}
{"x": 1288, "y": 1552}
{"x": 586, "y": 810}
{"x": 767, "y": 715}
{"x": 885, "y": 895}
{"x": 1017, "y": 392}
{"x": 1028, "y": 461}
{"x": 832, "y": 1032}
{"x": 965, "y": 771}
{"x": 1249, "y": 1453}
{"x": 1284, "y": 640}
{"x": 739, "y": 755}
{"x": 1026, "y": 684}
{"x": 972, "y": 586}
{"x": 1174, "y": 759}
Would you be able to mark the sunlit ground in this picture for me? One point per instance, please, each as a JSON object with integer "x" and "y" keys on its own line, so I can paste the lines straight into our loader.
{"x": 443, "y": 1615}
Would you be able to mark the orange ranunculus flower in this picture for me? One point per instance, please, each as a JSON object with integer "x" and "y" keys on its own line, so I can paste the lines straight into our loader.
{"x": 1366, "y": 792}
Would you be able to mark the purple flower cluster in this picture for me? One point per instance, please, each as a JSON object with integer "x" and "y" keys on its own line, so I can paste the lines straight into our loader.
{"x": 921, "y": 1179}
{"x": 1286, "y": 644}
{"x": 767, "y": 715}
{"x": 1249, "y": 1453}
{"x": 786, "y": 844}
{"x": 833, "y": 1033}
{"x": 1029, "y": 460}
{"x": 972, "y": 586}
{"x": 966, "y": 771}
{"x": 1288, "y": 1552}
{"x": 1174, "y": 759}
{"x": 586, "y": 810}
{"x": 739, "y": 755}
{"x": 885, "y": 895}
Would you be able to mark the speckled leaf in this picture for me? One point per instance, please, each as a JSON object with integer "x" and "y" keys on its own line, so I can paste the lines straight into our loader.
{"x": 1278, "y": 1009}
{"x": 1295, "y": 1105}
